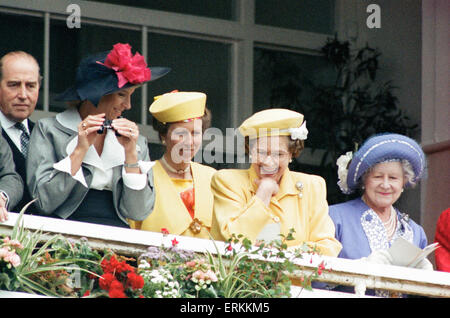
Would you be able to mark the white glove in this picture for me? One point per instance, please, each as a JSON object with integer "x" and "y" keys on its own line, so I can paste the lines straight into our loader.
{"x": 380, "y": 257}
{"x": 424, "y": 264}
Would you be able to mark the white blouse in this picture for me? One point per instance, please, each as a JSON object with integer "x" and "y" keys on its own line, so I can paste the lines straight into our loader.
{"x": 113, "y": 155}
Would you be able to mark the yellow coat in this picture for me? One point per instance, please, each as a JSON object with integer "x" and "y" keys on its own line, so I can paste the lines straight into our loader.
{"x": 238, "y": 210}
{"x": 170, "y": 212}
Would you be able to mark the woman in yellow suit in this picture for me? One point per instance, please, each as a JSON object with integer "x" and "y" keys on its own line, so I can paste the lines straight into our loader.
{"x": 184, "y": 201}
{"x": 268, "y": 199}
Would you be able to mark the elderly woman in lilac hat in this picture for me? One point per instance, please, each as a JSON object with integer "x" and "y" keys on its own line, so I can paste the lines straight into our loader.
{"x": 381, "y": 169}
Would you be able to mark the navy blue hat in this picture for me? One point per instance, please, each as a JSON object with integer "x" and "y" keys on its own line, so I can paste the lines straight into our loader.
{"x": 108, "y": 72}
{"x": 382, "y": 148}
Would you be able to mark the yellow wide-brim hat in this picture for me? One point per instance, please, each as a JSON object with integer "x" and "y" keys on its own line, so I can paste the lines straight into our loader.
{"x": 274, "y": 122}
{"x": 178, "y": 106}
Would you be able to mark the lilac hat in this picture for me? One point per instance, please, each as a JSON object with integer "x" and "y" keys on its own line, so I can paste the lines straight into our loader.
{"x": 382, "y": 148}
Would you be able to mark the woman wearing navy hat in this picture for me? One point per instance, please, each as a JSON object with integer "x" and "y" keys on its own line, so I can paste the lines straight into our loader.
{"x": 87, "y": 163}
{"x": 381, "y": 169}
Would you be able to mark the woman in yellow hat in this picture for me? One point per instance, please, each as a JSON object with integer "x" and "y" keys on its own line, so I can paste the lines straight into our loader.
{"x": 268, "y": 199}
{"x": 184, "y": 202}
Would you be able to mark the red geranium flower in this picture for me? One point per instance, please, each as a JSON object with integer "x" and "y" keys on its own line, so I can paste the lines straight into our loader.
{"x": 109, "y": 266}
{"x": 174, "y": 242}
{"x": 116, "y": 290}
{"x": 119, "y": 277}
{"x": 320, "y": 268}
{"x": 123, "y": 267}
{"x": 164, "y": 231}
{"x": 106, "y": 280}
{"x": 135, "y": 281}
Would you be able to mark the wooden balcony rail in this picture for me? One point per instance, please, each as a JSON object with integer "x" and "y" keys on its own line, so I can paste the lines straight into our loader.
{"x": 362, "y": 275}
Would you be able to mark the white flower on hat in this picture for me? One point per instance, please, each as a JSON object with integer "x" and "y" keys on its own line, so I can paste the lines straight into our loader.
{"x": 299, "y": 133}
{"x": 342, "y": 164}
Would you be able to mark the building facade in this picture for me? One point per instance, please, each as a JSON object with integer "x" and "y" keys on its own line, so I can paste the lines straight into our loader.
{"x": 221, "y": 48}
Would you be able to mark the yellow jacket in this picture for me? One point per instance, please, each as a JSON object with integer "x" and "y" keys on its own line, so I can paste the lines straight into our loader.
{"x": 170, "y": 212}
{"x": 237, "y": 210}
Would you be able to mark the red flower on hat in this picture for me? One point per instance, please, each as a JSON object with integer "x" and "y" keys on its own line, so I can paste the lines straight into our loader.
{"x": 128, "y": 68}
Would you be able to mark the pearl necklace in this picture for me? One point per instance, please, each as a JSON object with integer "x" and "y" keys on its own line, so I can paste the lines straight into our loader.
{"x": 391, "y": 224}
{"x": 173, "y": 170}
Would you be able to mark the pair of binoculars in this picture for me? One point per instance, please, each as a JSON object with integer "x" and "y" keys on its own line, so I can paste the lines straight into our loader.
{"x": 107, "y": 124}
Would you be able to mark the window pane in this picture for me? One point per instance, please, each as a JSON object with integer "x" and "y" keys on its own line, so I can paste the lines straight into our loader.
{"x": 23, "y": 33}
{"x": 307, "y": 15}
{"x": 196, "y": 65}
{"x": 283, "y": 79}
{"x": 287, "y": 80}
{"x": 69, "y": 46}
{"x": 221, "y": 9}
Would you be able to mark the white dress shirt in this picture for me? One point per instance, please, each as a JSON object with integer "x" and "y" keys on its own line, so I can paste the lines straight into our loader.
{"x": 13, "y": 132}
{"x": 113, "y": 154}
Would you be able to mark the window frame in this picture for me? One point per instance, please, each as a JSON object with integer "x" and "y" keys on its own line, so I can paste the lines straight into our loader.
{"x": 242, "y": 34}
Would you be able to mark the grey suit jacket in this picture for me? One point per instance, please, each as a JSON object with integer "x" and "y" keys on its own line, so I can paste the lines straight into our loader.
{"x": 10, "y": 181}
{"x": 59, "y": 193}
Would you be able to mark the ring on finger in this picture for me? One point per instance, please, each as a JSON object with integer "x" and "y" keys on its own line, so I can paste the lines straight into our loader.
{"x": 84, "y": 125}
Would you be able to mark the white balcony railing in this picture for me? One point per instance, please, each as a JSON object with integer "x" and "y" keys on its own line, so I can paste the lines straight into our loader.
{"x": 361, "y": 275}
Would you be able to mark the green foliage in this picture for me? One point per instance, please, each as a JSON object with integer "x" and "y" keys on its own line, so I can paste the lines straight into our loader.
{"x": 38, "y": 272}
{"x": 241, "y": 271}
{"x": 263, "y": 270}
{"x": 344, "y": 109}
{"x": 83, "y": 257}
{"x": 56, "y": 266}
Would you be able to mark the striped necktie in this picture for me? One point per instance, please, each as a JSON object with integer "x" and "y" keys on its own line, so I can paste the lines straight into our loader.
{"x": 24, "y": 138}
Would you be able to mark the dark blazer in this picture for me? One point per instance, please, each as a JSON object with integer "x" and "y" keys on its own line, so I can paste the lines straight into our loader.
{"x": 19, "y": 161}
{"x": 10, "y": 181}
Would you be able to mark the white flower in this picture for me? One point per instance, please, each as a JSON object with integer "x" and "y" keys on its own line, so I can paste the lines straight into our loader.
{"x": 342, "y": 164}
{"x": 299, "y": 133}
{"x": 144, "y": 264}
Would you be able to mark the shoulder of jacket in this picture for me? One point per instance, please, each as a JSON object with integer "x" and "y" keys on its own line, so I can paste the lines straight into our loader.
{"x": 231, "y": 174}
{"x": 205, "y": 168}
{"x": 307, "y": 178}
{"x": 46, "y": 121}
{"x": 346, "y": 207}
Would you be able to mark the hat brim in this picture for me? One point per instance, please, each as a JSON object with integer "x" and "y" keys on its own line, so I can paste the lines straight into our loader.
{"x": 71, "y": 93}
{"x": 385, "y": 147}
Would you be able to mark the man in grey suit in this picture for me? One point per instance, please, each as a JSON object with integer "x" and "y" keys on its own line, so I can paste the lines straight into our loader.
{"x": 19, "y": 92}
{"x": 11, "y": 185}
